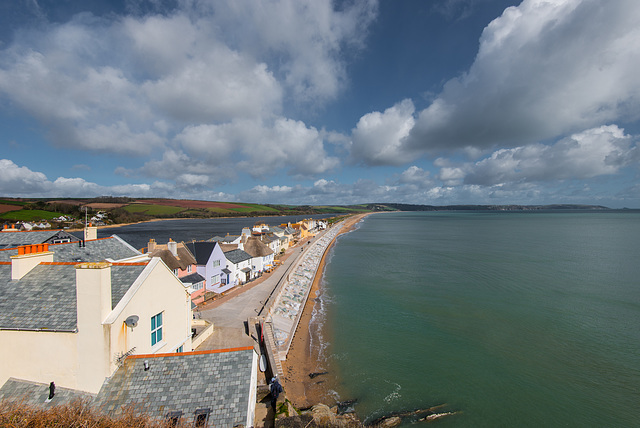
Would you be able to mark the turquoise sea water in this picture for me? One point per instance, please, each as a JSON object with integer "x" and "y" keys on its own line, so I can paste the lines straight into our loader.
{"x": 511, "y": 319}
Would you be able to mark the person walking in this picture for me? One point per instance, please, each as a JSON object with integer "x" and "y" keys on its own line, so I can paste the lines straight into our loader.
{"x": 275, "y": 388}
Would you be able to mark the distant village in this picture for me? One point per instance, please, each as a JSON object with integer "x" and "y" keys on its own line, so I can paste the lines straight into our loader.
{"x": 82, "y": 317}
{"x": 98, "y": 219}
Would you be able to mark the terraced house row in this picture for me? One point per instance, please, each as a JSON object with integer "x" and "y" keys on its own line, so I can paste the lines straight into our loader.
{"x": 98, "y": 319}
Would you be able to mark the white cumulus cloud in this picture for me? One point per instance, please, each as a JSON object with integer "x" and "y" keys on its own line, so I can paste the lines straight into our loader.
{"x": 378, "y": 138}
{"x": 544, "y": 69}
{"x": 594, "y": 152}
{"x": 195, "y": 80}
{"x": 263, "y": 147}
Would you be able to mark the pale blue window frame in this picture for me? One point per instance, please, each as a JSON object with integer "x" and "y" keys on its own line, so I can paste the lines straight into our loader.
{"x": 156, "y": 329}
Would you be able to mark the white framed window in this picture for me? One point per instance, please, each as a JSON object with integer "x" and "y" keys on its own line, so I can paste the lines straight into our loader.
{"x": 216, "y": 263}
{"x": 189, "y": 269}
{"x": 156, "y": 329}
{"x": 180, "y": 349}
{"x": 215, "y": 279}
{"x": 197, "y": 286}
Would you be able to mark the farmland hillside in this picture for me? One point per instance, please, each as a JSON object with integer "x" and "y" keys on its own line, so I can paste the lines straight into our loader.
{"x": 108, "y": 210}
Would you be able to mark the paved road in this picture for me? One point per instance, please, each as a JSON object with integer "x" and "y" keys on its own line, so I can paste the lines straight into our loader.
{"x": 230, "y": 315}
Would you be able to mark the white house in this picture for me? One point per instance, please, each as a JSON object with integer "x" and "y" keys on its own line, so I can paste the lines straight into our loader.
{"x": 238, "y": 266}
{"x": 261, "y": 254}
{"x": 210, "y": 263}
{"x": 75, "y": 323}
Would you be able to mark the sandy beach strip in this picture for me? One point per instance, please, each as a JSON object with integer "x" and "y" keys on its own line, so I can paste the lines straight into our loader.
{"x": 301, "y": 360}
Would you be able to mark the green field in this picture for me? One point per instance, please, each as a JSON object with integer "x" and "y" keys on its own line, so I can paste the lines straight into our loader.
{"x": 247, "y": 208}
{"x": 219, "y": 210}
{"x": 29, "y": 215}
{"x": 151, "y": 209}
{"x": 18, "y": 203}
{"x": 334, "y": 209}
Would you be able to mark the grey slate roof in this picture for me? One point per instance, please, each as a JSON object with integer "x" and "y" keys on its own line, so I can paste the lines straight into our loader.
{"x": 35, "y": 394}
{"x": 93, "y": 251}
{"x": 201, "y": 250}
{"x": 45, "y": 298}
{"x": 217, "y": 380}
{"x": 61, "y": 235}
{"x": 193, "y": 278}
{"x": 237, "y": 256}
{"x": 220, "y": 381}
{"x": 15, "y": 239}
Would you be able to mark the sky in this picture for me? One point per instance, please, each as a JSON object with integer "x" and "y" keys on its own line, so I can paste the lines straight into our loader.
{"x": 433, "y": 102}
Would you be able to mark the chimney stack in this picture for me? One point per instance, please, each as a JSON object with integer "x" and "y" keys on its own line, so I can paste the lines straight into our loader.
{"x": 94, "y": 279}
{"x": 90, "y": 232}
{"x": 29, "y": 256}
{"x": 93, "y": 297}
{"x": 152, "y": 246}
{"x": 173, "y": 247}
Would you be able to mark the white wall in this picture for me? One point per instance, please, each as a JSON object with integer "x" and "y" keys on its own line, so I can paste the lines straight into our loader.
{"x": 156, "y": 290}
{"x": 39, "y": 356}
{"x": 82, "y": 360}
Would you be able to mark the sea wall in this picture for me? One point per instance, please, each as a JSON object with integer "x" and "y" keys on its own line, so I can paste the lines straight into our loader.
{"x": 285, "y": 311}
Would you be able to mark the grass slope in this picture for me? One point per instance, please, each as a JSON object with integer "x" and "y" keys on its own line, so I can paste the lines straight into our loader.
{"x": 29, "y": 215}
{"x": 152, "y": 209}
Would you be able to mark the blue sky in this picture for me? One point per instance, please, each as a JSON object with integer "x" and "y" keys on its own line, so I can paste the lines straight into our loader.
{"x": 318, "y": 102}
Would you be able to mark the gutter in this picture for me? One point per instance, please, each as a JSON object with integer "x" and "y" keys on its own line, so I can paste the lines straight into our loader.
{"x": 50, "y": 330}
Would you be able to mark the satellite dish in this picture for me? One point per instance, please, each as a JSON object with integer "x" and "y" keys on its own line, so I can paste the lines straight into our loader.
{"x": 131, "y": 321}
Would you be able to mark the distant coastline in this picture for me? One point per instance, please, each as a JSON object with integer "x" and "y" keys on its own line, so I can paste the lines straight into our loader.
{"x": 509, "y": 207}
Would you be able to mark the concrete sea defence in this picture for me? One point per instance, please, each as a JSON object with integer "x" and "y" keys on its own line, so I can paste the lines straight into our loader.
{"x": 284, "y": 312}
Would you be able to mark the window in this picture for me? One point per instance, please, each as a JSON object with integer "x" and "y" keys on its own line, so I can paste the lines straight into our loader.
{"x": 215, "y": 279}
{"x": 189, "y": 269}
{"x": 201, "y": 417}
{"x": 156, "y": 329}
{"x": 175, "y": 272}
{"x": 180, "y": 349}
{"x": 197, "y": 286}
{"x": 173, "y": 418}
{"x": 216, "y": 263}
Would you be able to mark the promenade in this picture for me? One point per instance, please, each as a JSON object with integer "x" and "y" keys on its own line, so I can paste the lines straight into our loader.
{"x": 285, "y": 309}
{"x": 279, "y": 292}
{"x": 278, "y": 299}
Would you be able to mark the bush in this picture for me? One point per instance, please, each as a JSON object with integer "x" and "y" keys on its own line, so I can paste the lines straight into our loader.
{"x": 79, "y": 413}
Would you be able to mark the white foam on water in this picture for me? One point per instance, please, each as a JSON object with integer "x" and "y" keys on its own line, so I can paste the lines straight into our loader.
{"x": 395, "y": 395}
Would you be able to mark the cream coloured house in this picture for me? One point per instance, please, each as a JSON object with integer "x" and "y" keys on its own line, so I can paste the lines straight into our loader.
{"x": 74, "y": 323}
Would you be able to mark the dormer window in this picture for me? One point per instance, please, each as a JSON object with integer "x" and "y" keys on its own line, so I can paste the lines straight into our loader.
{"x": 201, "y": 418}
{"x": 173, "y": 418}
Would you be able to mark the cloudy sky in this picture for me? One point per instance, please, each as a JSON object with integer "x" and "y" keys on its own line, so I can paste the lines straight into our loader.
{"x": 322, "y": 102}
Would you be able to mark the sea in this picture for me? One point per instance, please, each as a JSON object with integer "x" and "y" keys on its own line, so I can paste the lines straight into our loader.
{"x": 506, "y": 319}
